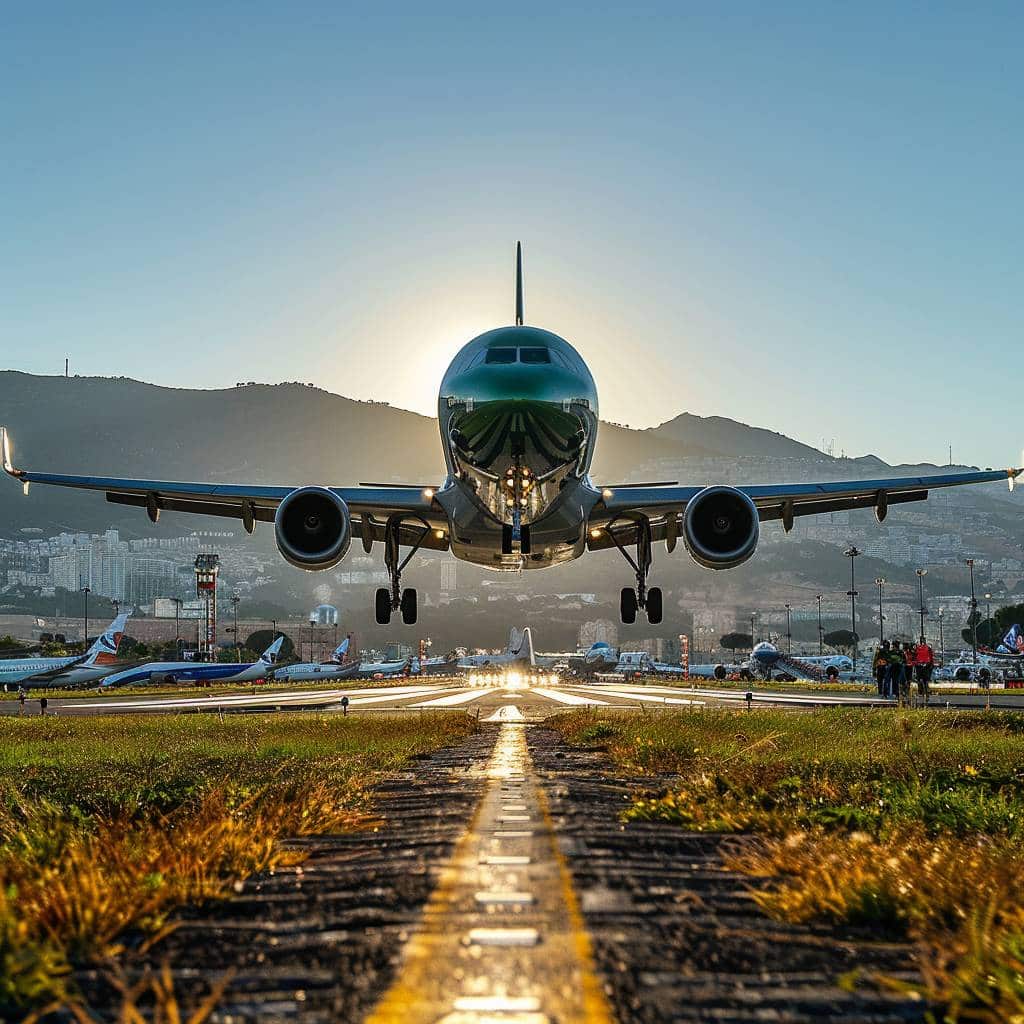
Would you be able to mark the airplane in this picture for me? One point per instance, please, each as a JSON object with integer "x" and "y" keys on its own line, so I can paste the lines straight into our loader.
{"x": 197, "y": 671}
{"x": 99, "y": 661}
{"x": 338, "y": 667}
{"x": 766, "y": 656}
{"x": 518, "y": 652}
{"x": 518, "y": 416}
{"x": 599, "y": 657}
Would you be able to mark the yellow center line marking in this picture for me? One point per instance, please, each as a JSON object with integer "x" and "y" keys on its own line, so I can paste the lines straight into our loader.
{"x": 465, "y": 961}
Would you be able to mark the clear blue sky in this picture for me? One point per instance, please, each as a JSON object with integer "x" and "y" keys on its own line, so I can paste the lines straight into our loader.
{"x": 805, "y": 216}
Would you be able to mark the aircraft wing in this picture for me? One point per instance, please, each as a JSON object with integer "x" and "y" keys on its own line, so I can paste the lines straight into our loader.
{"x": 663, "y": 505}
{"x": 370, "y": 505}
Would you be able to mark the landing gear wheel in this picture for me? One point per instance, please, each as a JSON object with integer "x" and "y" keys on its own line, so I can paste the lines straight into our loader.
{"x": 654, "y": 605}
{"x": 383, "y": 606}
{"x": 627, "y": 605}
{"x": 409, "y": 606}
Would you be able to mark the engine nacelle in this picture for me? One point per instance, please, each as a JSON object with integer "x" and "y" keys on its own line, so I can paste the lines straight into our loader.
{"x": 720, "y": 527}
{"x": 313, "y": 528}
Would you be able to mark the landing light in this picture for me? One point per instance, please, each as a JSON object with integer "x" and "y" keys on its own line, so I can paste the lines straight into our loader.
{"x": 428, "y": 493}
{"x": 439, "y": 534}
{"x": 596, "y": 532}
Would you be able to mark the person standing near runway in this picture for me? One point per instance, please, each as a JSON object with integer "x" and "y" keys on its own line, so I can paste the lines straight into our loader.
{"x": 897, "y": 669}
{"x": 924, "y": 665}
{"x": 880, "y": 666}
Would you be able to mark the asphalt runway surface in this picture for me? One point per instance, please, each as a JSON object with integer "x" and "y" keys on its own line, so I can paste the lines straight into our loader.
{"x": 499, "y": 886}
{"x": 519, "y": 700}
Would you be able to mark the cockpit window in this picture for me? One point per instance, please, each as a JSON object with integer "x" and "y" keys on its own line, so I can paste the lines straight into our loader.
{"x": 534, "y": 355}
{"x": 501, "y": 355}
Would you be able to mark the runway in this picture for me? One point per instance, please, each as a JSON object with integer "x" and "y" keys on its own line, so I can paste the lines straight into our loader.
{"x": 519, "y": 700}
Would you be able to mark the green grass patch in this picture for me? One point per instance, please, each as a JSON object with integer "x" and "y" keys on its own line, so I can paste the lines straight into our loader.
{"x": 907, "y": 823}
{"x": 108, "y": 824}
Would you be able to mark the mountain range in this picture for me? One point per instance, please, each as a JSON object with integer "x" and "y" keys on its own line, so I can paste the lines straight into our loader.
{"x": 293, "y": 433}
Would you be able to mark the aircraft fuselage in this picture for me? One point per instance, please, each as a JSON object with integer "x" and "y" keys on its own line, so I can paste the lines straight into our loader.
{"x": 518, "y": 417}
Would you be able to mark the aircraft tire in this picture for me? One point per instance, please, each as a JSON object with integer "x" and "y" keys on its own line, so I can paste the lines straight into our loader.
{"x": 409, "y": 606}
{"x": 383, "y": 606}
{"x": 627, "y": 605}
{"x": 654, "y": 605}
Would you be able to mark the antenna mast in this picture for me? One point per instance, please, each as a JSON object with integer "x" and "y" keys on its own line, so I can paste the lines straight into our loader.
{"x": 519, "y": 284}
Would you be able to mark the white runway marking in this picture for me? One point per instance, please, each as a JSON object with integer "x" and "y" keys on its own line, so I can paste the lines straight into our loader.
{"x": 643, "y": 694}
{"x": 506, "y": 713}
{"x": 564, "y": 697}
{"x": 452, "y": 700}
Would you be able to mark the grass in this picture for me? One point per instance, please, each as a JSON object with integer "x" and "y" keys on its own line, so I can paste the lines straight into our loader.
{"x": 108, "y": 825}
{"x": 909, "y": 824}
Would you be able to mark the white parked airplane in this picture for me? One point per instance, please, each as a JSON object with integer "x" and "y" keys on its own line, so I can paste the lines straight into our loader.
{"x": 519, "y": 421}
{"x": 99, "y": 661}
{"x": 198, "y": 671}
{"x": 337, "y": 667}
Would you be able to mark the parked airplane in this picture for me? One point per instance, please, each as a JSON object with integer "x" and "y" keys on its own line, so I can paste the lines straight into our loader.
{"x": 198, "y": 671}
{"x": 518, "y": 416}
{"x": 99, "y": 661}
{"x": 766, "y": 656}
{"x": 518, "y": 652}
{"x": 338, "y": 666}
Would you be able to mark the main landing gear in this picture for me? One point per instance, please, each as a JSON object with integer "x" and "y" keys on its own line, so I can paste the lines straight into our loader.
{"x": 647, "y": 599}
{"x": 394, "y": 598}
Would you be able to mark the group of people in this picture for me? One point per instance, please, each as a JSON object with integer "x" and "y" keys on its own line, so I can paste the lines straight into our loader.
{"x": 897, "y": 664}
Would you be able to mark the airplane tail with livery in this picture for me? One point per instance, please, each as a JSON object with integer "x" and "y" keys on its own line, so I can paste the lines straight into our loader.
{"x": 104, "y": 648}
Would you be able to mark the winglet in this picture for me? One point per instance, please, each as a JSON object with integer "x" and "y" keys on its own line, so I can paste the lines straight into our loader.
{"x": 1011, "y": 477}
{"x": 8, "y": 464}
{"x": 5, "y": 447}
{"x": 519, "y": 284}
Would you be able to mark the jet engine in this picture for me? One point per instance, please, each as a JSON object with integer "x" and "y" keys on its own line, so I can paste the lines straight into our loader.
{"x": 720, "y": 527}
{"x": 313, "y": 528}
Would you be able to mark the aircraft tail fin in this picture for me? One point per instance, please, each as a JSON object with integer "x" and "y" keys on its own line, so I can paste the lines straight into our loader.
{"x": 520, "y": 644}
{"x": 273, "y": 652}
{"x": 341, "y": 651}
{"x": 104, "y": 648}
{"x": 519, "y": 284}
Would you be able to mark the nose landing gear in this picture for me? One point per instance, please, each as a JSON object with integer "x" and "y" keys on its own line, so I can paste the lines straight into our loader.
{"x": 647, "y": 599}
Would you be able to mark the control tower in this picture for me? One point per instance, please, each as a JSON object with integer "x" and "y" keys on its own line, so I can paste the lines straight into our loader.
{"x": 207, "y": 568}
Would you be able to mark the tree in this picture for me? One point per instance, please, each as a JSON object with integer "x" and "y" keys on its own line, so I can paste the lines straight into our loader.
{"x": 737, "y": 641}
{"x": 968, "y": 631}
{"x": 263, "y": 638}
{"x": 844, "y": 639}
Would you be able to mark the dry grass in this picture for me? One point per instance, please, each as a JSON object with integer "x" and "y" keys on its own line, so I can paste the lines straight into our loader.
{"x": 907, "y": 824}
{"x": 109, "y": 825}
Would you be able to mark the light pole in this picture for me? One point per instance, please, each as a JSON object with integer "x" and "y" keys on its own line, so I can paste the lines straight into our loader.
{"x": 988, "y": 616}
{"x": 177, "y": 627}
{"x": 86, "y": 591}
{"x": 312, "y": 623}
{"x": 880, "y": 582}
{"x": 821, "y": 632}
{"x": 753, "y": 616}
{"x": 789, "y": 631}
{"x": 851, "y": 553}
{"x": 974, "y": 615}
{"x": 921, "y": 573}
{"x": 942, "y": 645}
{"x": 234, "y": 607}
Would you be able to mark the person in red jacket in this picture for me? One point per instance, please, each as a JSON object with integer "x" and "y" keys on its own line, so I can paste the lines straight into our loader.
{"x": 924, "y": 665}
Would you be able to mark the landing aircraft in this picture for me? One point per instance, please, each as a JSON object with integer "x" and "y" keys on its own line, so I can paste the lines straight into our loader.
{"x": 99, "y": 661}
{"x": 518, "y": 416}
